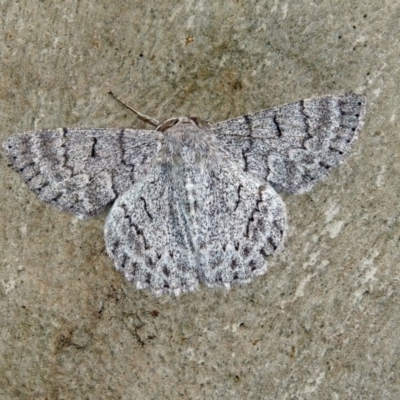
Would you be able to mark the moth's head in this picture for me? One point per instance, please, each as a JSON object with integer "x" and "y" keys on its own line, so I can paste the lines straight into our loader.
{"x": 182, "y": 122}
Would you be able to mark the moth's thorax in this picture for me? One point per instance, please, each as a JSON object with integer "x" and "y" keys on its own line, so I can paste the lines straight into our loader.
{"x": 183, "y": 122}
{"x": 186, "y": 139}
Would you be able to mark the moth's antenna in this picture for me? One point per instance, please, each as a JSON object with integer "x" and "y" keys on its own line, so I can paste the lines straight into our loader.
{"x": 143, "y": 117}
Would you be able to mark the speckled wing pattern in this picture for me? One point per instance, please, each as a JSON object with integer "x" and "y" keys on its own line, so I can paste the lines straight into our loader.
{"x": 191, "y": 202}
{"x": 194, "y": 220}
{"x": 81, "y": 171}
{"x": 295, "y": 145}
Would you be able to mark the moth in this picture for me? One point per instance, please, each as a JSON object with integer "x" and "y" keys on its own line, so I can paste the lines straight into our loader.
{"x": 191, "y": 201}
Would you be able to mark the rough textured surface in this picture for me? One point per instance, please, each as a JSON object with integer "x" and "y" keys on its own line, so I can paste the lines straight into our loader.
{"x": 322, "y": 324}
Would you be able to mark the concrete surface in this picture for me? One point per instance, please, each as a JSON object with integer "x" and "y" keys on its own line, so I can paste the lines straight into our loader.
{"x": 322, "y": 324}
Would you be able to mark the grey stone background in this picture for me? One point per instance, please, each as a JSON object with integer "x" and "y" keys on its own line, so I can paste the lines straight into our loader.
{"x": 323, "y": 323}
